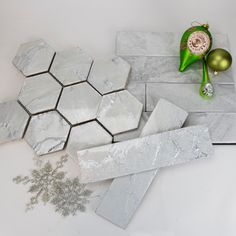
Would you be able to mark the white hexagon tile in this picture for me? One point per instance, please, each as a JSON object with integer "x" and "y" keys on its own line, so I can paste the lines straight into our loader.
{"x": 40, "y": 93}
{"x": 71, "y": 66}
{"x": 66, "y": 92}
{"x": 34, "y": 57}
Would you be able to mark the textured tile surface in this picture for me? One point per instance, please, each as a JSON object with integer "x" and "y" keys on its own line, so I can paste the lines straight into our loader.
{"x": 71, "y": 66}
{"x": 138, "y": 90}
{"x": 79, "y": 103}
{"x": 85, "y": 136}
{"x": 142, "y": 154}
{"x": 40, "y": 93}
{"x": 119, "y": 112}
{"x": 33, "y": 57}
{"x": 126, "y": 193}
{"x": 13, "y": 120}
{"x": 133, "y": 133}
{"x": 47, "y": 133}
{"x": 187, "y": 97}
{"x": 222, "y": 126}
{"x": 109, "y": 75}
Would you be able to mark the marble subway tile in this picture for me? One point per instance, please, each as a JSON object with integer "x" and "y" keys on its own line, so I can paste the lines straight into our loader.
{"x": 47, "y": 133}
{"x": 138, "y": 90}
{"x": 13, "y": 121}
{"x": 71, "y": 66}
{"x": 40, "y": 93}
{"x": 119, "y": 112}
{"x": 109, "y": 75}
{"x": 133, "y": 133}
{"x": 222, "y": 126}
{"x": 165, "y": 69}
{"x": 143, "y": 154}
{"x": 85, "y": 136}
{"x": 134, "y": 43}
{"x": 187, "y": 97}
{"x": 33, "y": 57}
{"x": 126, "y": 193}
{"x": 79, "y": 103}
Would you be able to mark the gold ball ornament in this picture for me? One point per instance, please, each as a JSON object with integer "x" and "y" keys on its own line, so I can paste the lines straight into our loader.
{"x": 219, "y": 60}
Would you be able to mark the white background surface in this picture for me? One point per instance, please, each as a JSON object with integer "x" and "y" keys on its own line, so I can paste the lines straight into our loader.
{"x": 194, "y": 199}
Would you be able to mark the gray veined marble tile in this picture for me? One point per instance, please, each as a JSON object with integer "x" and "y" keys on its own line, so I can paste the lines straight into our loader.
{"x": 85, "y": 136}
{"x": 71, "y": 66}
{"x": 222, "y": 126}
{"x": 40, "y": 93}
{"x": 138, "y": 90}
{"x": 109, "y": 75}
{"x": 187, "y": 97}
{"x": 47, "y": 133}
{"x": 143, "y": 154}
{"x": 134, "y": 43}
{"x": 126, "y": 193}
{"x": 133, "y": 133}
{"x": 164, "y": 69}
{"x": 33, "y": 57}
{"x": 119, "y": 112}
{"x": 13, "y": 121}
{"x": 79, "y": 103}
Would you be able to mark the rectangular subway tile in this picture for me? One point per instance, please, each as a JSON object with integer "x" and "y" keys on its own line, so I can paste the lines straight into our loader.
{"x": 222, "y": 126}
{"x": 143, "y": 154}
{"x": 187, "y": 97}
{"x": 138, "y": 90}
{"x": 126, "y": 193}
{"x": 137, "y": 43}
{"x": 164, "y": 69}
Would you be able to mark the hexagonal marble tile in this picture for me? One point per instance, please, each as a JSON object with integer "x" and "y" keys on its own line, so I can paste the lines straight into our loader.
{"x": 47, "y": 132}
{"x": 109, "y": 75}
{"x": 40, "y": 93}
{"x": 79, "y": 103}
{"x": 85, "y": 136}
{"x": 71, "y": 66}
{"x": 34, "y": 57}
{"x": 13, "y": 120}
{"x": 120, "y": 112}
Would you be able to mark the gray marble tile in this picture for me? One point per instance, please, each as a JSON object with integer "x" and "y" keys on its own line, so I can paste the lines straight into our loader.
{"x": 33, "y": 57}
{"x": 79, "y": 103}
{"x": 133, "y": 133}
{"x": 134, "y": 43}
{"x": 138, "y": 90}
{"x": 85, "y": 136}
{"x": 71, "y": 66}
{"x": 164, "y": 69}
{"x": 109, "y": 75}
{"x": 40, "y": 93}
{"x": 142, "y": 154}
{"x": 119, "y": 112}
{"x": 13, "y": 120}
{"x": 47, "y": 133}
{"x": 126, "y": 193}
{"x": 187, "y": 97}
{"x": 222, "y": 126}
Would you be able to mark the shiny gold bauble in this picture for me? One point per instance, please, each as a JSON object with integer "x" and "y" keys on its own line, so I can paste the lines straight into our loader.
{"x": 219, "y": 60}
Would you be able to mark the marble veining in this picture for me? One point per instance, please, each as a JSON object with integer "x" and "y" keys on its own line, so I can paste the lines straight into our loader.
{"x": 142, "y": 154}
{"x": 109, "y": 75}
{"x": 47, "y": 133}
{"x": 40, "y": 93}
{"x": 13, "y": 121}
{"x": 119, "y": 112}
{"x": 33, "y": 57}
{"x": 71, "y": 66}
{"x": 126, "y": 193}
{"x": 85, "y": 136}
{"x": 79, "y": 103}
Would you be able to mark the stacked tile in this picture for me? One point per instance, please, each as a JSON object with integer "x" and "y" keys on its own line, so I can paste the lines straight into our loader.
{"x": 154, "y": 58}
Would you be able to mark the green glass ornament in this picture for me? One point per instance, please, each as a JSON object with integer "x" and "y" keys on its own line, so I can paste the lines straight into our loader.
{"x": 206, "y": 88}
{"x": 219, "y": 60}
{"x": 195, "y": 43}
